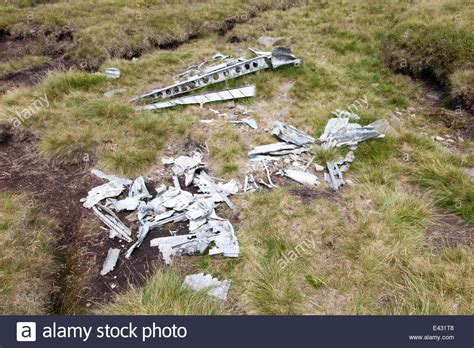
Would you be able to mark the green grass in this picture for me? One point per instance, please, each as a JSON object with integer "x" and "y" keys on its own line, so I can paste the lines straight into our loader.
{"x": 441, "y": 175}
{"x": 25, "y": 63}
{"x": 162, "y": 295}
{"x": 435, "y": 39}
{"x": 125, "y": 29}
{"x": 369, "y": 251}
{"x": 27, "y": 262}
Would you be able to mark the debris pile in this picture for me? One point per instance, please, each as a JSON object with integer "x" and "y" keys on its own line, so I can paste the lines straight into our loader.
{"x": 295, "y": 144}
{"x": 291, "y": 157}
{"x": 339, "y": 131}
{"x": 169, "y": 204}
{"x": 229, "y": 68}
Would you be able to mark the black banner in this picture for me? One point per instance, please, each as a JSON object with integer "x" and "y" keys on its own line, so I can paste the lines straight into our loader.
{"x": 233, "y": 331}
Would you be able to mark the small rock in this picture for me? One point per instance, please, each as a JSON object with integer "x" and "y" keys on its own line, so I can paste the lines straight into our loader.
{"x": 268, "y": 41}
{"x": 384, "y": 127}
{"x": 438, "y": 138}
{"x": 460, "y": 139}
{"x": 349, "y": 182}
{"x": 113, "y": 286}
{"x": 411, "y": 110}
{"x": 318, "y": 167}
{"x": 287, "y": 161}
{"x": 375, "y": 85}
{"x": 450, "y": 141}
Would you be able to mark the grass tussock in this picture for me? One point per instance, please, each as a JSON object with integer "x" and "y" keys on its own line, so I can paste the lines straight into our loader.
{"x": 125, "y": 30}
{"x": 392, "y": 265}
{"x": 25, "y": 63}
{"x": 27, "y": 260}
{"x": 363, "y": 250}
{"x": 162, "y": 295}
{"x": 435, "y": 39}
{"x": 441, "y": 175}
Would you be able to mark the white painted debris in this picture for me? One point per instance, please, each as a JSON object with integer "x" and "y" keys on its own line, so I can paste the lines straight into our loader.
{"x": 111, "y": 178}
{"x": 284, "y": 56}
{"x": 171, "y": 205}
{"x": 112, "y": 73}
{"x": 110, "y": 189}
{"x": 339, "y": 131}
{"x": 270, "y": 182}
{"x": 168, "y": 245}
{"x": 302, "y": 177}
{"x": 112, "y": 222}
{"x": 225, "y": 71}
{"x": 216, "y": 230}
{"x": 176, "y": 199}
{"x": 138, "y": 189}
{"x": 129, "y": 203}
{"x": 214, "y": 286}
{"x": 167, "y": 160}
{"x": 247, "y": 121}
{"x": 110, "y": 261}
{"x": 272, "y": 149}
{"x": 334, "y": 175}
{"x": 218, "y": 193}
{"x": 142, "y": 233}
{"x": 187, "y": 166}
{"x": 229, "y": 94}
{"x": 290, "y": 134}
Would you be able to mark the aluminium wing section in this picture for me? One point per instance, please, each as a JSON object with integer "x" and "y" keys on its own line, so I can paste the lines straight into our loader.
{"x": 236, "y": 69}
{"x": 229, "y": 94}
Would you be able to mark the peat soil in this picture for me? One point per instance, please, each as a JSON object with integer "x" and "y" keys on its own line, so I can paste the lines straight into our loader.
{"x": 58, "y": 188}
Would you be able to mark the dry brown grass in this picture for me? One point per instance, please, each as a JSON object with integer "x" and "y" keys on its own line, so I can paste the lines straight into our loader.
{"x": 27, "y": 258}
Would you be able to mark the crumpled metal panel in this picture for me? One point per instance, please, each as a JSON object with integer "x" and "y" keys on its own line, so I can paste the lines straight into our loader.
{"x": 291, "y": 135}
{"x": 302, "y": 177}
{"x": 215, "y": 287}
{"x": 110, "y": 261}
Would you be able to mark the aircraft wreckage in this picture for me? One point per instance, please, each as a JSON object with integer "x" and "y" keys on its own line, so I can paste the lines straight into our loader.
{"x": 230, "y": 68}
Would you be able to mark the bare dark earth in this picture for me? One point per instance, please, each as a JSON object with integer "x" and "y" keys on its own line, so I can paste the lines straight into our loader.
{"x": 60, "y": 44}
{"x": 58, "y": 189}
{"x": 16, "y": 48}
